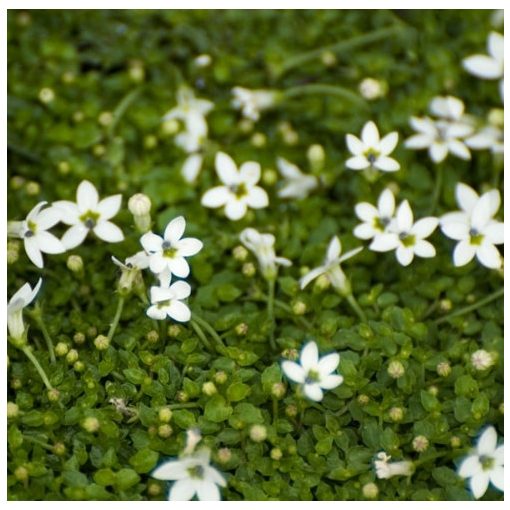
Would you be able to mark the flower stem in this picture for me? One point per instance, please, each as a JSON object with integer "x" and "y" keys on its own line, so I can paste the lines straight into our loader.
{"x": 201, "y": 335}
{"x": 30, "y": 355}
{"x": 437, "y": 189}
{"x": 121, "y": 109}
{"x": 324, "y": 89}
{"x": 34, "y": 440}
{"x": 118, "y": 313}
{"x": 355, "y": 306}
{"x": 220, "y": 347}
{"x": 49, "y": 342}
{"x": 462, "y": 311}
{"x": 186, "y": 405}
{"x": 270, "y": 312}
{"x": 275, "y": 409}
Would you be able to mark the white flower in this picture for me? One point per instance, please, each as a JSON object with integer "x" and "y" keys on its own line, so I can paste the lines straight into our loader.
{"x": 296, "y": 183}
{"x": 312, "y": 373}
{"x": 385, "y": 469}
{"x": 485, "y": 464}
{"x": 252, "y": 102}
{"x": 195, "y": 133}
{"x": 331, "y": 267}
{"x": 375, "y": 220}
{"x": 33, "y": 231}
{"x": 89, "y": 214}
{"x": 168, "y": 252}
{"x": 443, "y": 135}
{"x": 193, "y": 475}
{"x": 193, "y": 437}
{"x": 262, "y": 245}
{"x": 239, "y": 190}
{"x": 22, "y": 298}
{"x": 406, "y": 237}
{"x": 488, "y": 137}
{"x": 474, "y": 227}
{"x": 371, "y": 150}
{"x": 491, "y": 66}
{"x": 188, "y": 105}
{"x": 168, "y": 302}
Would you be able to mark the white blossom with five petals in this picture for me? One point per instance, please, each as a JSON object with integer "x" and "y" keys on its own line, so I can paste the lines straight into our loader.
{"x": 89, "y": 214}
{"x": 252, "y": 102}
{"x": 296, "y": 183}
{"x": 21, "y": 299}
{"x": 167, "y": 302}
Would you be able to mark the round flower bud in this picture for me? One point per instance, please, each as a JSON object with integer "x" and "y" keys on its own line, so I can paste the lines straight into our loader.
{"x": 258, "y": 433}
{"x": 445, "y": 305}
{"x": 174, "y": 330}
{"x": 32, "y": 188}
{"x": 90, "y": 424}
{"x": 291, "y": 410}
{"x": 59, "y": 449}
{"x": 371, "y": 89}
{"x": 165, "y": 415}
{"x": 316, "y": 156}
{"x": 363, "y": 399}
{"x": 92, "y": 332}
{"x": 170, "y": 127}
{"x": 370, "y": 490}
{"x": 290, "y": 137}
{"x": 299, "y": 308}
{"x": 420, "y": 444}
{"x": 276, "y": 454}
{"x": 245, "y": 125}
{"x": 21, "y": 473}
{"x": 105, "y": 118}
{"x": 249, "y": 269}
{"x": 209, "y": 389}
{"x": 220, "y": 377}
{"x": 153, "y": 488}
{"x": 78, "y": 366}
{"x": 12, "y": 252}
{"x": 269, "y": 176}
{"x": 396, "y": 414}
{"x": 61, "y": 349}
{"x": 72, "y": 356}
{"x": 164, "y": 431}
{"x": 278, "y": 390}
{"x": 394, "y": 187}
{"x": 328, "y": 58}
{"x": 444, "y": 369}
{"x": 322, "y": 283}
{"x": 136, "y": 71}
{"x": 181, "y": 396}
{"x": 102, "y": 342}
{"x": 258, "y": 140}
{"x": 78, "y": 116}
{"x": 501, "y": 408}
{"x": 16, "y": 383}
{"x": 12, "y": 410}
{"x": 396, "y": 369}
{"x": 150, "y": 142}
{"x": 17, "y": 182}
{"x": 23, "y": 19}
{"x": 433, "y": 390}
{"x": 79, "y": 338}
{"x": 240, "y": 253}
{"x": 482, "y": 360}
{"x": 203, "y": 60}
{"x": 98, "y": 150}
{"x": 139, "y": 204}
{"x": 68, "y": 77}
{"x": 46, "y": 95}
{"x": 496, "y": 117}
{"x": 64, "y": 167}
{"x": 241, "y": 329}
{"x": 75, "y": 263}
{"x": 152, "y": 336}
{"x": 224, "y": 455}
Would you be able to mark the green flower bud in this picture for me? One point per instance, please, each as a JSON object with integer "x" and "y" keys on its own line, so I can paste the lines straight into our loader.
{"x": 291, "y": 410}
{"x": 276, "y": 454}
{"x": 21, "y": 473}
{"x": 370, "y": 490}
{"x": 75, "y": 264}
{"x": 59, "y": 449}
{"x": 328, "y": 58}
{"x": 258, "y": 433}
{"x": 455, "y": 442}
{"x": 182, "y": 396}
{"x": 12, "y": 251}
{"x": 46, "y": 95}
{"x": 152, "y": 336}
{"x": 396, "y": 414}
{"x": 174, "y": 330}
{"x": 363, "y": 399}
{"x": 165, "y": 415}
{"x": 224, "y": 455}
{"x": 61, "y": 349}
{"x": 258, "y": 140}
{"x": 299, "y": 308}
{"x": 396, "y": 369}
{"x": 105, "y": 118}
{"x": 78, "y": 366}
{"x": 278, "y": 390}
{"x": 32, "y": 188}
{"x": 72, "y": 356}
{"x": 12, "y": 410}
{"x": 420, "y": 444}
{"x": 240, "y": 253}
{"x": 249, "y": 269}
{"x": 79, "y": 338}
{"x": 316, "y": 157}
{"x": 444, "y": 369}
{"x": 140, "y": 205}
{"x": 165, "y": 431}
{"x": 154, "y": 488}
{"x": 209, "y": 389}
{"x": 102, "y": 342}
{"x": 241, "y": 329}
{"x": 90, "y": 424}
{"x": 220, "y": 377}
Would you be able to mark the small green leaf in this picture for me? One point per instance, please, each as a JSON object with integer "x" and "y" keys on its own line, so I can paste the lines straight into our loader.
{"x": 216, "y": 409}
{"x": 144, "y": 460}
{"x": 237, "y": 391}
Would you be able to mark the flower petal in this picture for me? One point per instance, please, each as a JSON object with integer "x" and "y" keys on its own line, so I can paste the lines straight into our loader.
{"x": 494, "y": 200}
{"x": 157, "y": 313}
{"x": 191, "y": 167}
{"x": 157, "y": 263}
{"x": 404, "y": 217}
{"x": 74, "y": 236}
{"x": 189, "y": 246}
{"x": 424, "y": 227}
{"x": 455, "y": 230}
{"x": 313, "y": 392}
{"x": 417, "y": 142}
{"x": 489, "y": 256}
{"x": 424, "y": 249}
{"x": 87, "y": 197}
{"x": 349, "y": 254}
{"x": 384, "y": 242}
{"x": 459, "y": 149}
{"x": 357, "y": 163}
{"x": 424, "y": 125}
{"x": 483, "y": 211}
{"x": 34, "y": 213}
{"x": 386, "y": 203}
{"x": 207, "y": 491}
{"x": 311, "y": 275}
{"x": 387, "y": 164}
{"x": 109, "y": 207}
{"x": 365, "y": 231}
{"x": 250, "y": 173}
{"x": 181, "y": 290}
{"x": 214, "y": 476}
{"x": 495, "y": 232}
{"x": 463, "y": 253}
{"x": 483, "y": 66}
{"x": 293, "y": 371}
{"x": 109, "y": 232}
{"x": 216, "y": 197}
{"x": 179, "y": 311}
{"x": 499, "y": 454}
{"x": 334, "y": 249}
{"x": 366, "y": 212}
{"x": 470, "y": 466}
{"x": 497, "y": 477}
{"x": 182, "y": 490}
{"x": 178, "y": 266}
{"x": 48, "y": 243}
{"x": 404, "y": 255}
{"x": 370, "y": 134}
{"x": 309, "y": 358}
{"x": 226, "y": 169}
{"x": 171, "y": 470}
{"x": 331, "y": 381}
{"x": 496, "y": 46}
{"x": 388, "y": 143}
{"x": 466, "y": 197}
{"x": 288, "y": 169}
{"x": 33, "y": 252}
{"x": 479, "y": 484}
{"x": 235, "y": 209}
{"x": 69, "y": 212}
{"x": 438, "y": 151}
{"x": 328, "y": 364}
{"x": 151, "y": 242}
{"x": 174, "y": 230}
{"x": 354, "y": 144}
{"x": 48, "y": 218}
{"x": 257, "y": 198}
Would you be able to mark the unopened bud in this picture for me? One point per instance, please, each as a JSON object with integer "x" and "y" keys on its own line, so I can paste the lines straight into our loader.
{"x": 32, "y": 188}
{"x": 290, "y": 137}
{"x": 240, "y": 253}
{"x": 105, "y": 118}
{"x": 455, "y": 442}
{"x": 276, "y": 454}
{"x": 136, "y": 71}
{"x": 501, "y": 408}
{"x": 17, "y": 182}
{"x": 322, "y": 283}
{"x": 249, "y": 269}
{"x": 90, "y": 424}
{"x": 316, "y": 156}
{"x": 278, "y": 390}
{"x": 496, "y": 117}
{"x": 258, "y": 433}
{"x": 75, "y": 264}
{"x": 72, "y": 356}
{"x": 299, "y": 308}
{"x": 396, "y": 369}
{"x": 291, "y": 410}
{"x": 245, "y": 125}
{"x": 12, "y": 410}
{"x": 445, "y": 305}
{"x": 258, "y": 140}
{"x": 102, "y": 342}
{"x": 328, "y": 58}
{"x": 371, "y": 89}
{"x": 224, "y": 455}
{"x": 165, "y": 431}
{"x": 46, "y": 95}
{"x": 59, "y": 449}
{"x": 241, "y": 329}
{"x": 79, "y": 338}
{"x": 140, "y": 205}
{"x": 209, "y": 389}
{"x": 396, "y": 414}
{"x": 370, "y": 490}
{"x": 182, "y": 396}
{"x": 78, "y": 366}
{"x": 153, "y": 488}
{"x": 174, "y": 330}
{"x": 269, "y": 176}
{"x": 482, "y": 360}
{"x": 12, "y": 251}
{"x": 363, "y": 399}
{"x": 290, "y": 354}
{"x": 170, "y": 127}
{"x": 21, "y": 473}
{"x": 420, "y": 444}
{"x": 444, "y": 369}
{"x": 61, "y": 349}
{"x": 220, "y": 377}
{"x": 433, "y": 390}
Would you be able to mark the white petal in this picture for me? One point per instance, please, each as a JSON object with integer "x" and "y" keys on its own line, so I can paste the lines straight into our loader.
{"x": 293, "y": 371}
{"x": 313, "y": 392}
{"x": 214, "y": 475}
{"x": 250, "y": 173}
{"x": 235, "y": 209}
{"x": 479, "y": 484}
{"x": 226, "y": 169}
{"x": 34, "y": 213}
{"x": 455, "y": 230}
{"x": 283, "y": 261}
{"x": 191, "y": 167}
{"x": 328, "y": 364}
{"x": 387, "y": 164}
{"x": 470, "y": 466}
{"x": 334, "y": 249}
{"x": 497, "y": 477}
{"x": 499, "y": 454}
{"x": 165, "y": 277}
{"x": 365, "y": 231}
{"x": 159, "y": 294}
{"x": 384, "y": 242}
{"x": 174, "y": 230}
{"x": 421, "y": 141}
{"x": 189, "y": 246}
{"x": 309, "y": 356}
{"x": 370, "y": 134}
{"x": 424, "y": 227}
{"x": 438, "y": 151}
{"x": 311, "y": 275}
{"x": 493, "y": 199}
{"x": 171, "y": 470}
{"x": 151, "y": 242}
{"x": 178, "y": 266}
{"x": 404, "y": 217}
{"x": 366, "y": 212}
{"x": 489, "y": 256}
{"x": 331, "y": 381}
{"x": 404, "y": 255}
{"x": 483, "y": 211}
{"x": 424, "y": 249}
{"x": 495, "y": 232}
{"x": 87, "y": 197}
{"x": 157, "y": 263}
{"x": 182, "y": 490}
{"x": 48, "y": 243}
{"x": 386, "y": 203}
{"x": 357, "y": 163}
{"x": 23, "y": 297}
{"x": 388, "y": 143}
{"x": 33, "y": 251}
{"x": 109, "y": 207}
{"x": 69, "y": 212}
{"x": 466, "y": 197}
{"x": 482, "y": 140}
{"x": 459, "y": 149}
{"x": 458, "y": 130}
{"x": 178, "y": 311}
{"x": 181, "y": 289}
{"x": 350, "y": 254}
{"x": 48, "y": 218}
{"x": 455, "y": 217}
{"x": 424, "y": 125}
{"x": 354, "y": 144}
{"x": 483, "y": 66}
{"x": 108, "y": 232}
{"x": 288, "y": 169}
{"x": 463, "y": 253}
{"x": 257, "y": 198}
{"x": 216, "y": 197}
{"x": 154, "y": 312}
{"x": 74, "y": 236}
{"x": 208, "y": 491}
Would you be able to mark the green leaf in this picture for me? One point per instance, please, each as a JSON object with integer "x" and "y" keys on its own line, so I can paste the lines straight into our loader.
{"x": 445, "y": 476}
{"x": 126, "y": 478}
{"x": 271, "y": 375}
{"x": 216, "y": 409}
{"x": 104, "y": 477}
{"x": 135, "y": 375}
{"x": 144, "y": 460}
{"x": 183, "y": 418}
{"x": 237, "y": 391}
{"x": 75, "y": 479}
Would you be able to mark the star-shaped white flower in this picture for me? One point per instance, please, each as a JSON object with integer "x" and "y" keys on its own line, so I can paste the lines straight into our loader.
{"x": 371, "y": 150}
{"x": 169, "y": 251}
{"x": 296, "y": 183}
{"x": 331, "y": 267}
{"x": 491, "y": 66}
{"x": 252, "y": 102}
{"x": 188, "y": 105}
{"x": 89, "y": 214}
{"x": 262, "y": 245}
{"x": 474, "y": 227}
{"x": 167, "y": 301}
{"x": 193, "y": 474}
{"x": 445, "y": 134}
{"x": 407, "y": 237}
{"x": 239, "y": 190}
{"x": 488, "y": 137}
{"x": 21, "y": 299}
{"x": 376, "y": 220}
{"x": 485, "y": 464}
{"x": 36, "y": 238}
{"x": 312, "y": 373}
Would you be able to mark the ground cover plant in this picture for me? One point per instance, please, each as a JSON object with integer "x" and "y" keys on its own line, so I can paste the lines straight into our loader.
{"x": 255, "y": 256}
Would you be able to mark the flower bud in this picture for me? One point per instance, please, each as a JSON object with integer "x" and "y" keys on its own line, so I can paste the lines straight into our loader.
{"x": 136, "y": 71}
{"x": 79, "y": 338}
{"x": 258, "y": 433}
{"x": 241, "y": 329}
{"x": 75, "y": 264}
{"x": 482, "y": 360}
{"x": 501, "y": 408}
{"x": 152, "y": 336}
{"x": 240, "y": 253}
{"x": 72, "y": 356}
{"x": 445, "y": 305}
{"x": 290, "y": 354}
{"x": 455, "y": 442}
{"x": 174, "y": 330}
{"x": 12, "y": 410}
{"x": 21, "y": 473}
{"x": 220, "y": 377}
{"x": 32, "y": 188}
{"x": 276, "y": 454}
{"x": 90, "y": 424}
{"x": 165, "y": 431}
{"x": 17, "y": 182}
{"x": 59, "y": 449}
{"x": 78, "y": 366}
{"x": 249, "y": 269}
{"x": 496, "y": 117}
{"x": 291, "y": 410}
{"x": 396, "y": 369}
{"x": 278, "y": 390}
{"x": 316, "y": 157}
{"x": 322, "y": 283}
{"x": 224, "y": 455}
{"x": 370, "y": 490}
{"x": 105, "y": 118}
{"x": 328, "y": 58}
{"x": 396, "y": 414}
{"x": 150, "y": 142}
{"x": 203, "y": 60}
{"x": 170, "y": 127}
{"x": 102, "y": 342}
{"x": 258, "y": 140}
{"x": 420, "y": 444}
{"x": 153, "y": 488}
{"x": 299, "y": 308}
{"x": 433, "y": 390}
{"x": 98, "y": 150}
{"x": 181, "y": 396}
{"x": 363, "y": 399}
{"x": 12, "y": 251}
{"x": 444, "y": 369}
{"x": 61, "y": 349}
{"x": 245, "y": 125}
{"x": 46, "y": 95}
{"x": 269, "y": 177}
{"x": 140, "y": 205}
{"x": 92, "y": 331}
{"x": 371, "y": 89}
{"x": 209, "y": 389}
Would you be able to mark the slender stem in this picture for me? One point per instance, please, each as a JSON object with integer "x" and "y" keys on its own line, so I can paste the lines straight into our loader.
{"x": 37, "y": 441}
{"x": 220, "y": 347}
{"x": 49, "y": 342}
{"x": 284, "y": 306}
{"x": 462, "y": 311}
{"x": 355, "y": 306}
{"x": 201, "y": 335}
{"x": 324, "y": 88}
{"x": 118, "y": 313}
{"x": 437, "y": 189}
{"x": 186, "y": 405}
{"x": 30, "y": 355}
{"x": 275, "y": 409}
{"x": 430, "y": 310}
{"x": 270, "y": 312}
{"x": 121, "y": 109}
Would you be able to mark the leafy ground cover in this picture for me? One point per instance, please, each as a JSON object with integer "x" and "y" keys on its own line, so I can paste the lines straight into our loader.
{"x": 421, "y": 346}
